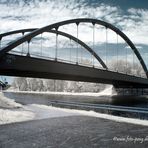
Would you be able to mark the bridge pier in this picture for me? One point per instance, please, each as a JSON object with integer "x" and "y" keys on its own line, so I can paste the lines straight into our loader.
{"x": 131, "y": 91}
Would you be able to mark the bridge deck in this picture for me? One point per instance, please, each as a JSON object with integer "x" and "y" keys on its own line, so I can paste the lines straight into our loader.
{"x": 16, "y": 65}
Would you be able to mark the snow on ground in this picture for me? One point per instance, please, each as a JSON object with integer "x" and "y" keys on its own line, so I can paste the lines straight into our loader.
{"x": 32, "y": 112}
{"x": 35, "y": 112}
{"x": 108, "y": 91}
{"x": 10, "y": 116}
{"x": 43, "y": 111}
{"x": 9, "y": 113}
{"x": 8, "y": 103}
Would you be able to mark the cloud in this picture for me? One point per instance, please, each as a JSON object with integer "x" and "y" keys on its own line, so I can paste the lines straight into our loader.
{"x": 18, "y": 15}
{"x": 135, "y": 25}
{"x": 35, "y": 13}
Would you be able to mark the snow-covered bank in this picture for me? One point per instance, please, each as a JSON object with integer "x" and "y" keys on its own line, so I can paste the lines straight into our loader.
{"x": 43, "y": 111}
{"x": 11, "y": 112}
{"x": 32, "y": 112}
{"x": 108, "y": 91}
{"x": 36, "y": 112}
{"x": 8, "y": 103}
{"x": 11, "y": 116}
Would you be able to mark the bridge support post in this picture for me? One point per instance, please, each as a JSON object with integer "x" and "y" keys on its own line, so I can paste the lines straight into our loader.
{"x": 77, "y": 55}
{"x": 93, "y": 62}
{"x": 130, "y": 91}
{"x": 117, "y": 53}
{"x": 41, "y": 45}
{"x": 106, "y": 44}
{"x": 56, "y": 51}
{"x": 28, "y": 53}
{"x": 22, "y": 44}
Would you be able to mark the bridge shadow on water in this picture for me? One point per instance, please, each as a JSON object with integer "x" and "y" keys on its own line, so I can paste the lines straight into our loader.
{"x": 122, "y": 100}
{"x": 135, "y": 101}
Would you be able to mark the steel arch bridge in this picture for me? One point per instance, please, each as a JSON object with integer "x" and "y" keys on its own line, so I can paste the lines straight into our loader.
{"x": 17, "y": 63}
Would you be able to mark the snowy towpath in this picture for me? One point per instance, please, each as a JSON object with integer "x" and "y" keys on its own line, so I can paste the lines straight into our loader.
{"x": 11, "y": 112}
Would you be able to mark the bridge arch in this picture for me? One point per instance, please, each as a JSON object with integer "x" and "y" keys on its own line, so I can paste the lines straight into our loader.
{"x": 77, "y": 21}
{"x": 62, "y": 34}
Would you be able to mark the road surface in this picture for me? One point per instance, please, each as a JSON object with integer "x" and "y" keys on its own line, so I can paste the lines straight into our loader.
{"x": 73, "y": 132}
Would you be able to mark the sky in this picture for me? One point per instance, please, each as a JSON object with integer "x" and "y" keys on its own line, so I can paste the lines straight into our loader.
{"x": 130, "y": 16}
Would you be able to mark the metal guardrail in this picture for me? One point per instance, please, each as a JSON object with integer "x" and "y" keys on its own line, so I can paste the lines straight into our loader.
{"x": 102, "y": 106}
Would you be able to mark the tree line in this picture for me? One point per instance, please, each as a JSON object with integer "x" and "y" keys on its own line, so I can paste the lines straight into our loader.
{"x": 35, "y": 84}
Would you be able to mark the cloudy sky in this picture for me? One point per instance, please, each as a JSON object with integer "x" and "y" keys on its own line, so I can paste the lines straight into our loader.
{"x": 130, "y": 16}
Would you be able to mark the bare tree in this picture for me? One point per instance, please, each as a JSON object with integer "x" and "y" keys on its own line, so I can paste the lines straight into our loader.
{"x": 20, "y": 84}
{"x": 32, "y": 84}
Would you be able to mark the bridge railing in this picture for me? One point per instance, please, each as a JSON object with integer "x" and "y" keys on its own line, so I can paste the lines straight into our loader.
{"x": 142, "y": 75}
